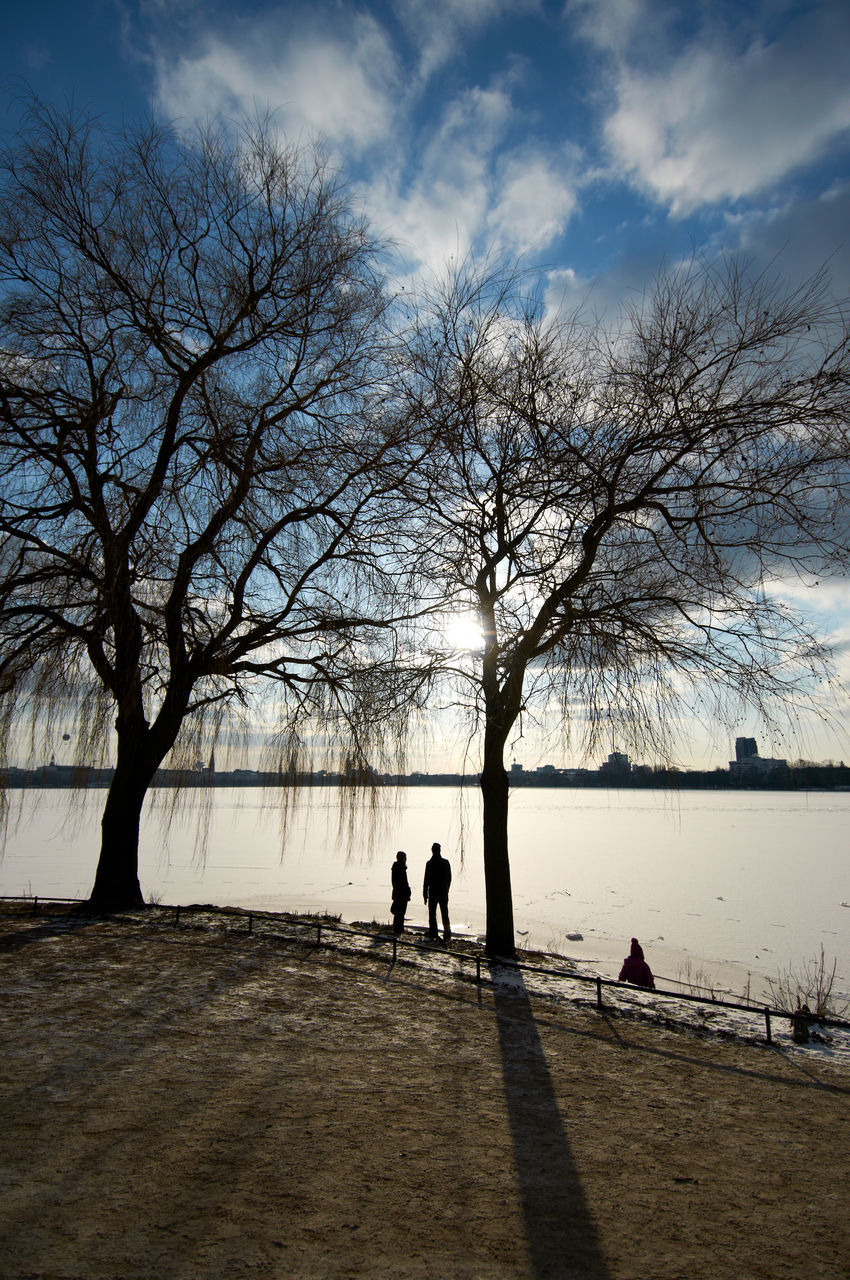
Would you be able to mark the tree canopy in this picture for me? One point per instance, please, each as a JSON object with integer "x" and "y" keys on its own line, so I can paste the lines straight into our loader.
{"x": 192, "y": 341}
{"x": 612, "y": 506}
{"x": 237, "y": 475}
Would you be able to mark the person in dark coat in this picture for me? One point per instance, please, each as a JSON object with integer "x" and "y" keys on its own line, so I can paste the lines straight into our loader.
{"x": 438, "y": 878}
{"x": 401, "y": 891}
{"x": 635, "y": 969}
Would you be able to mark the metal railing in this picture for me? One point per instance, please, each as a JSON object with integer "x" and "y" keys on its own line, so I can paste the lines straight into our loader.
{"x": 378, "y": 938}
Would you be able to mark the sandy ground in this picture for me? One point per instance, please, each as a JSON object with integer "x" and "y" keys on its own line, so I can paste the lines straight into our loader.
{"x": 183, "y": 1103}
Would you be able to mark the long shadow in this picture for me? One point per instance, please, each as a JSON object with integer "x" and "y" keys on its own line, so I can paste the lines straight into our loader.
{"x": 562, "y": 1238}
{"x": 52, "y": 927}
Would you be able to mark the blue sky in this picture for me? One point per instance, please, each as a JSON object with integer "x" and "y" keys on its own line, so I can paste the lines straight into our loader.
{"x": 596, "y": 137}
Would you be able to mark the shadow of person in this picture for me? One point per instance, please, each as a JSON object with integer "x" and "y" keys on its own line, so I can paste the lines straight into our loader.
{"x": 562, "y": 1237}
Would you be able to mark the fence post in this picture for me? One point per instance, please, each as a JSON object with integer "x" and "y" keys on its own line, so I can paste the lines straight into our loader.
{"x": 176, "y": 915}
{"x": 599, "y": 993}
{"x": 35, "y": 906}
{"x": 767, "y": 1024}
{"x": 318, "y": 935}
{"x": 478, "y": 970}
{"x": 395, "y": 946}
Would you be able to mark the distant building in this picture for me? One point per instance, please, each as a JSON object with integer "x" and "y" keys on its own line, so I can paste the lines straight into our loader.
{"x": 616, "y": 766}
{"x": 748, "y": 762}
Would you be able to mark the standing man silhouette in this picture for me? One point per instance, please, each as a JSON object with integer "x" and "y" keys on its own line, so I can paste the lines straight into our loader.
{"x": 435, "y": 890}
{"x": 401, "y": 891}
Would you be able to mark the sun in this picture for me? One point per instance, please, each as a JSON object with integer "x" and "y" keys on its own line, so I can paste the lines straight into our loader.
{"x": 464, "y": 632}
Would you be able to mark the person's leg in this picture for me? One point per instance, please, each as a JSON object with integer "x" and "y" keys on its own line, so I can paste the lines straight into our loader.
{"x": 432, "y": 918}
{"x": 444, "y": 912}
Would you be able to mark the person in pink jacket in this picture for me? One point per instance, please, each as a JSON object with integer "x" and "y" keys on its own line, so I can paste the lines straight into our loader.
{"x": 635, "y": 969}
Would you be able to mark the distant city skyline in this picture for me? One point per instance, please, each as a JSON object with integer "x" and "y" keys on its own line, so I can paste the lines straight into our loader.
{"x": 748, "y": 764}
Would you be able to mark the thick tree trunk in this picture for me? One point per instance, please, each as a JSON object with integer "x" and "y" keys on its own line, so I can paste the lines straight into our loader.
{"x": 116, "y": 885}
{"x": 141, "y": 750}
{"x": 497, "y": 869}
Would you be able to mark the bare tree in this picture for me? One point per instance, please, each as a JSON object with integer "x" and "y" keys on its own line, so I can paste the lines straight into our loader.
{"x": 612, "y": 508}
{"x": 191, "y": 332}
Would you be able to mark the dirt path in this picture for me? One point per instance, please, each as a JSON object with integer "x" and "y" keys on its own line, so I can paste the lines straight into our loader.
{"x": 185, "y": 1104}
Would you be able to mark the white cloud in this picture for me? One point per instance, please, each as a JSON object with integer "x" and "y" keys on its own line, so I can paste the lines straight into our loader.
{"x": 726, "y": 116}
{"x": 827, "y": 597}
{"x": 466, "y": 188}
{"x": 445, "y": 207}
{"x": 566, "y": 292}
{"x": 434, "y": 183}
{"x": 340, "y": 85}
{"x": 711, "y": 130}
{"x": 533, "y": 204}
{"x": 609, "y": 25}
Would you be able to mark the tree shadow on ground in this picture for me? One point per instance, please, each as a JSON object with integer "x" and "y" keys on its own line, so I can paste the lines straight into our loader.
{"x": 51, "y": 927}
{"x": 562, "y": 1237}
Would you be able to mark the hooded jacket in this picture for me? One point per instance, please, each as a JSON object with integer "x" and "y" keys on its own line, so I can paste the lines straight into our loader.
{"x": 635, "y": 969}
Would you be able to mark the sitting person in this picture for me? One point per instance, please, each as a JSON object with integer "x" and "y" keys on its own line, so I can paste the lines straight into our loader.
{"x": 635, "y": 969}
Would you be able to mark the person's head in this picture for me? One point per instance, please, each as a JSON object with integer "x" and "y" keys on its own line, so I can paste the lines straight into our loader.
{"x": 401, "y": 857}
{"x": 435, "y": 849}
{"x": 637, "y": 949}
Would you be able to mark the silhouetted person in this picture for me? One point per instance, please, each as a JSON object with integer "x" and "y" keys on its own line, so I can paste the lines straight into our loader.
{"x": 438, "y": 878}
{"x": 635, "y": 969}
{"x": 800, "y": 1024}
{"x": 401, "y": 891}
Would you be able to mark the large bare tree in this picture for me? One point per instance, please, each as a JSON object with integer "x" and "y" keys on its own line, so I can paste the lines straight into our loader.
{"x": 191, "y": 332}
{"x": 612, "y": 507}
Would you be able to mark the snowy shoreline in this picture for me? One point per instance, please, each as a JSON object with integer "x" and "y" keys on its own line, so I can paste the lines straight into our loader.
{"x": 594, "y": 951}
{"x": 736, "y": 889}
{"x": 830, "y": 1045}
{"x": 536, "y": 974}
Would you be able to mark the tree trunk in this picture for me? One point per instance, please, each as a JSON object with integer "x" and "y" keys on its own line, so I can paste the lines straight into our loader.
{"x": 141, "y": 750}
{"x": 116, "y": 885}
{"x": 497, "y": 869}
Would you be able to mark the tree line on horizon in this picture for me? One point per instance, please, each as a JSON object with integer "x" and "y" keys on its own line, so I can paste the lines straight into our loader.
{"x": 249, "y": 482}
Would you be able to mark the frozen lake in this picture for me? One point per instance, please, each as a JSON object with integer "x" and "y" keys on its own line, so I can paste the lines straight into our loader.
{"x": 734, "y": 882}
